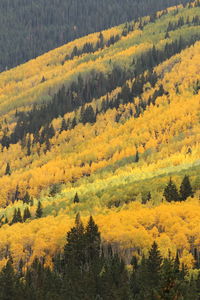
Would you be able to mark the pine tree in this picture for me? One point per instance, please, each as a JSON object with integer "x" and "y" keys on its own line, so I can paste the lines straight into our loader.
{"x": 8, "y": 282}
{"x": 39, "y": 210}
{"x": 17, "y": 194}
{"x": 167, "y": 35}
{"x": 29, "y": 146}
{"x": 31, "y": 201}
{"x": 14, "y": 219}
{"x": 74, "y": 250}
{"x": 185, "y": 189}
{"x": 27, "y": 214}
{"x": 146, "y": 196}
{"x": 26, "y": 198}
{"x": 171, "y": 192}
{"x": 137, "y": 158}
{"x": 64, "y": 125}
{"x": 93, "y": 241}
{"x": 8, "y": 169}
{"x": 55, "y": 189}
{"x": 19, "y": 216}
{"x": 154, "y": 266}
{"x": 169, "y": 284}
{"x": 76, "y": 198}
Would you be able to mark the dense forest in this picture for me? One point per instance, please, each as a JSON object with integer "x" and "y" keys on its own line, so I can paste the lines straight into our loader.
{"x": 89, "y": 269}
{"x": 103, "y": 130}
{"x": 30, "y": 28}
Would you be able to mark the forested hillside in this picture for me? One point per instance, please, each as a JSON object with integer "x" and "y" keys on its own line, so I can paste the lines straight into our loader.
{"x": 106, "y": 125}
{"x": 30, "y": 28}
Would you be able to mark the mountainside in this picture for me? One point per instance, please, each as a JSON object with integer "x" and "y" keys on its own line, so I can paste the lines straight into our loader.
{"x": 30, "y": 28}
{"x": 106, "y": 125}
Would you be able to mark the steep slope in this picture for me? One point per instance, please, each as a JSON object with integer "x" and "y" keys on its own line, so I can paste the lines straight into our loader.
{"x": 126, "y": 119}
{"x": 30, "y": 28}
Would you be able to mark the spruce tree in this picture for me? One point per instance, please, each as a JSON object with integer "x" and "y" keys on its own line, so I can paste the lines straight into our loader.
{"x": 137, "y": 158}
{"x": 27, "y": 214}
{"x": 17, "y": 194}
{"x": 14, "y": 219}
{"x": 26, "y": 198}
{"x": 76, "y": 198}
{"x": 8, "y": 282}
{"x": 55, "y": 189}
{"x": 169, "y": 283}
{"x": 64, "y": 125}
{"x": 93, "y": 241}
{"x": 171, "y": 192}
{"x": 39, "y": 210}
{"x": 154, "y": 262}
{"x": 185, "y": 189}
{"x": 8, "y": 169}
{"x": 19, "y": 216}
{"x": 74, "y": 250}
{"x": 28, "y": 153}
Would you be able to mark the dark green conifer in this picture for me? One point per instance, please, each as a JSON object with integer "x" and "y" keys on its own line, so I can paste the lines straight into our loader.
{"x": 29, "y": 146}
{"x": 17, "y": 194}
{"x": 8, "y": 282}
{"x": 8, "y": 169}
{"x": 26, "y": 198}
{"x": 154, "y": 262}
{"x": 171, "y": 192}
{"x": 185, "y": 189}
{"x": 93, "y": 241}
{"x": 64, "y": 125}
{"x": 76, "y": 198}
{"x": 137, "y": 158}
{"x": 55, "y": 189}
{"x": 74, "y": 250}
{"x": 19, "y": 216}
{"x": 27, "y": 214}
{"x": 14, "y": 219}
{"x": 167, "y": 35}
{"x": 39, "y": 210}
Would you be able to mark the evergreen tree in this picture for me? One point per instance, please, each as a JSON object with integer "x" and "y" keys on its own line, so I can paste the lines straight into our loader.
{"x": 27, "y": 214}
{"x": 39, "y": 210}
{"x": 8, "y": 282}
{"x": 14, "y": 219}
{"x": 31, "y": 201}
{"x": 154, "y": 262}
{"x": 146, "y": 196}
{"x": 64, "y": 125}
{"x": 19, "y": 216}
{"x": 137, "y": 158}
{"x": 17, "y": 194}
{"x": 29, "y": 146}
{"x": 74, "y": 250}
{"x": 26, "y": 198}
{"x": 185, "y": 189}
{"x": 171, "y": 192}
{"x": 76, "y": 198}
{"x": 55, "y": 189}
{"x": 93, "y": 241}
{"x": 167, "y": 35}
{"x": 8, "y": 169}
